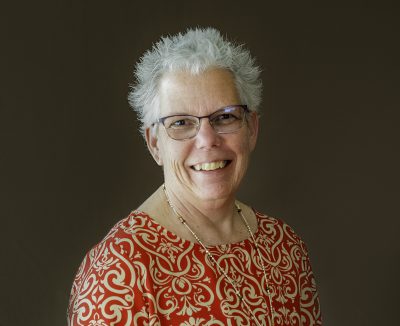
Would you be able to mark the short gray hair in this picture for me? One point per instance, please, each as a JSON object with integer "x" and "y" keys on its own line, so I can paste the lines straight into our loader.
{"x": 194, "y": 51}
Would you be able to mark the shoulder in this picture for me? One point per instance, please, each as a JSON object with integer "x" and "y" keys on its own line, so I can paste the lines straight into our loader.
{"x": 124, "y": 228}
{"x": 111, "y": 269}
{"x": 111, "y": 245}
{"x": 134, "y": 222}
{"x": 278, "y": 231}
{"x": 124, "y": 233}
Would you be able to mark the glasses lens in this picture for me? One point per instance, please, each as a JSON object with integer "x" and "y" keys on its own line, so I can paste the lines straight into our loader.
{"x": 181, "y": 127}
{"x": 228, "y": 120}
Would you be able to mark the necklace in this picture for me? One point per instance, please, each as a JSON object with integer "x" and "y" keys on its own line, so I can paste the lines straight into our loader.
{"x": 222, "y": 271}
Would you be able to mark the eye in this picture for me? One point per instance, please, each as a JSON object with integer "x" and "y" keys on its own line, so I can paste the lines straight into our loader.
{"x": 181, "y": 123}
{"x": 225, "y": 118}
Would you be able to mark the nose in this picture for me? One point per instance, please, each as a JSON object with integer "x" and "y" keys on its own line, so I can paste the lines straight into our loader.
{"x": 207, "y": 137}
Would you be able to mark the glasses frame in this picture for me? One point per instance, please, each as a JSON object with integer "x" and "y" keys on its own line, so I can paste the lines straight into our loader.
{"x": 224, "y": 109}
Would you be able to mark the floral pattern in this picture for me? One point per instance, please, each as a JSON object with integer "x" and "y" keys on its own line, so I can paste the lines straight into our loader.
{"x": 142, "y": 274}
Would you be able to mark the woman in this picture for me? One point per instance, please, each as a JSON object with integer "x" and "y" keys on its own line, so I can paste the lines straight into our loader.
{"x": 192, "y": 254}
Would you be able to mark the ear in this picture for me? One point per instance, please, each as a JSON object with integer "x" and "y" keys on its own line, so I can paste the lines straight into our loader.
{"x": 253, "y": 125}
{"x": 152, "y": 144}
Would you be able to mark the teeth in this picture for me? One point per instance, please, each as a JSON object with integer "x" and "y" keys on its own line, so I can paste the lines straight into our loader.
{"x": 210, "y": 166}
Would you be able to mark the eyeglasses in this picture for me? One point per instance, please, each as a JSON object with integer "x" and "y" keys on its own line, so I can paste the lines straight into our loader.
{"x": 223, "y": 121}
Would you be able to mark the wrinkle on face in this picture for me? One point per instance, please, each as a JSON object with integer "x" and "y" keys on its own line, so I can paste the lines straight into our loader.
{"x": 201, "y": 95}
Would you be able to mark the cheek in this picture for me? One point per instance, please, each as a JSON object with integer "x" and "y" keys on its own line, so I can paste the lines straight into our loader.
{"x": 175, "y": 170}
{"x": 173, "y": 156}
{"x": 243, "y": 155}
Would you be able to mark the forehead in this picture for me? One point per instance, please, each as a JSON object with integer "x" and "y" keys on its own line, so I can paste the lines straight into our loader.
{"x": 183, "y": 92}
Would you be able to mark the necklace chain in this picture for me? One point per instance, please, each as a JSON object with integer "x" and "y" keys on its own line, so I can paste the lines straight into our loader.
{"x": 222, "y": 271}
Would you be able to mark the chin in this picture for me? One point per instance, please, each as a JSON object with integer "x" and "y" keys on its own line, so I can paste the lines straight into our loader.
{"x": 212, "y": 192}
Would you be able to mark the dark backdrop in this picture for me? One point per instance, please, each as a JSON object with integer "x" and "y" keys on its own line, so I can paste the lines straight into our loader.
{"x": 73, "y": 163}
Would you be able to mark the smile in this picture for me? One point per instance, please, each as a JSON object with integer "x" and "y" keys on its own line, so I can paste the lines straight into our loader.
{"x": 210, "y": 166}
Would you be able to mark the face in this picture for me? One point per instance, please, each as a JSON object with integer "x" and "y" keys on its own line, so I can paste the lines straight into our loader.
{"x": 186, "y": 171}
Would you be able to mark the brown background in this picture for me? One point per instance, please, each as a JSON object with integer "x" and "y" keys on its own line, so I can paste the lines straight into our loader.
{"x": 73, "y": 163}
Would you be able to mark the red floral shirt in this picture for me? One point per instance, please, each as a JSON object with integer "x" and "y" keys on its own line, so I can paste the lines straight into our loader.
{"x": 142, "y": 274}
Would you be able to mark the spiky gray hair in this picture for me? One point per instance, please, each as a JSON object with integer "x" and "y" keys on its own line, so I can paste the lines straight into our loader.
{"x": 194, "y": 51}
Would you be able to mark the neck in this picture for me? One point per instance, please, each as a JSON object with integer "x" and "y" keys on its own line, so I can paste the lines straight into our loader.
{"x": 215, "y": 222}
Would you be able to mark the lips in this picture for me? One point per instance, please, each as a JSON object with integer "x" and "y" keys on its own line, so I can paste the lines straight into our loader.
{"x": 210, "y": 166}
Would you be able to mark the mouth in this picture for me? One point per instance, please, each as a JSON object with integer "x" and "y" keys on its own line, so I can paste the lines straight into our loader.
{"x": 211, "y": 166}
